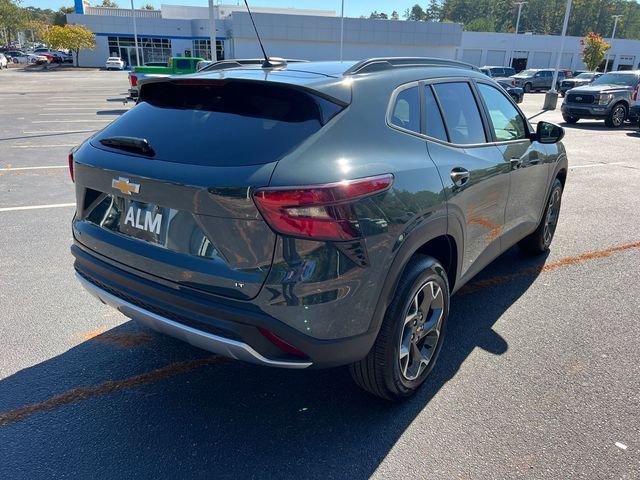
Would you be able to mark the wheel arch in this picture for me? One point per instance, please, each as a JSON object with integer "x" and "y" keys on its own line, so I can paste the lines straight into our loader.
{"x": 431, "y": 238}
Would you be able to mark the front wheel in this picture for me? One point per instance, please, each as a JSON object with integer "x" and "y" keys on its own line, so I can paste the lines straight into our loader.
{"x": 411, "y": 335}
{"x": 617, "y": 116}
{"x": 540, "y": 240}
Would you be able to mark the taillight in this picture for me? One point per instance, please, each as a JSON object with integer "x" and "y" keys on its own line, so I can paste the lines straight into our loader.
{"x": 513, "y": 83}
{"x": 71, "y": 167}
{"x": 134, "y": 80}
{"x": 635, "y": 93}
{"x": 322, "y": 212}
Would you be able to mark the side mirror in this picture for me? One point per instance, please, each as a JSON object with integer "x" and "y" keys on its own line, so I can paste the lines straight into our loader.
{"x": 547, "y": 132}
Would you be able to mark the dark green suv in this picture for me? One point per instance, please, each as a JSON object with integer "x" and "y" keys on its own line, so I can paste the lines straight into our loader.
{"x": 315, "y": 214}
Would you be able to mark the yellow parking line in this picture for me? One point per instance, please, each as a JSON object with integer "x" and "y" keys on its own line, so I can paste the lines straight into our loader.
{"x": 105, "y": 388}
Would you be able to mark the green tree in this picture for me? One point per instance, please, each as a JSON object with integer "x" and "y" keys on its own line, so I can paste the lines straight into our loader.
{"x": 378, "y": 16}
{"x": 594, "y": 50}
{"x": 60, "y": 17}
{"x": 108, "y": 4}
{"x": 415, "y": 13}
{"x": 71, "y": 37}
{"x": 148, "y": 6}
{"x": 12, "y": 18}
{"x": 433, "y": 11}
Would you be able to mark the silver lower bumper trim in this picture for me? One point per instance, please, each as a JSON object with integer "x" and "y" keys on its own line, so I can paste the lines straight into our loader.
{"x": 198, "y": 338}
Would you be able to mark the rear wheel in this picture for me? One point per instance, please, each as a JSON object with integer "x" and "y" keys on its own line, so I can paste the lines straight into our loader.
{"x": 570, "y": 118}
{"x": 540, "y": 240}
{"x": 527, "y": 88}
{"x": 411, "y": 334}
{"x": 617, "y": 116}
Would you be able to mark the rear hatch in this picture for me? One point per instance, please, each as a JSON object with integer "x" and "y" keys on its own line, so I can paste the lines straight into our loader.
{"x": 165, "y": 190}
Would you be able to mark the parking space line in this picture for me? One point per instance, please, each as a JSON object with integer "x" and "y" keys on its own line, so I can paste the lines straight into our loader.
{"x": 33, "y": 132}
{"x": 69, "y": 108}
{"x": 14, "y": 169}
{"x": 43, "y": 146}
{"x": 82, "y": 393}
{"x": 36, "y": 207}
{"x": 68, "y": 113}
{"x": 105, "y": 388}
{"x": 592, "y": 165}
{"x": 73, "y": 121}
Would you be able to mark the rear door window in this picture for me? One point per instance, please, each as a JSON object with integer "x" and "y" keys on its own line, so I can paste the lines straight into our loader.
{"x": 435, "y": 124}
{"x": 461, "y": 113}
{"x": 406, "y": 110}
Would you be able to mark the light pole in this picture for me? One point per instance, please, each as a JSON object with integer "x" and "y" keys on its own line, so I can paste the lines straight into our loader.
{"x": 615, "y": 25}
{"x": 551, "y": 97}
{"x": 212, "y": 33}
{"x": 520, "y": 5}
{"x": 135, "y": 34}
{"x": 341, "y": 29}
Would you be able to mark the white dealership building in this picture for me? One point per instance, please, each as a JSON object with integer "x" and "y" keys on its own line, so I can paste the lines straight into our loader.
{"x": 176, "y": 30}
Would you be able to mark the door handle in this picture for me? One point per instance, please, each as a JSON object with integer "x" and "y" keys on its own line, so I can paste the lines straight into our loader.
{"x": 460, "y": 176}
{"x": 516, "y": 163}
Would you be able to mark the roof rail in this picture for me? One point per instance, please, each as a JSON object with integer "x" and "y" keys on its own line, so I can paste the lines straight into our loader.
{"x": 387, "y": 63}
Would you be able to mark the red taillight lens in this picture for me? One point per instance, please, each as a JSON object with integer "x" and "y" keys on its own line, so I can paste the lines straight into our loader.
{"x": 322, "y": 212}
{"x": 635, "y": 93}
{"x": 134, "y": 80}
{"x": 71, "y": 167}
{"x": 513, "y": 83}
{"x": 281, "y": 344}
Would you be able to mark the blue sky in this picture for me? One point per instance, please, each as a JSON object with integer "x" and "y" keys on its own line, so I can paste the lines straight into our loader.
{"x": 352, "y": 8}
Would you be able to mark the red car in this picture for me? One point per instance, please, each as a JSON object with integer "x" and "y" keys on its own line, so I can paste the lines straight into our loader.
{"x": 52, "y": 57}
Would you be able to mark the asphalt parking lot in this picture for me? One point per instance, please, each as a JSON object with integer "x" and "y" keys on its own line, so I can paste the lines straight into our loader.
{"x": 539, "y": 376}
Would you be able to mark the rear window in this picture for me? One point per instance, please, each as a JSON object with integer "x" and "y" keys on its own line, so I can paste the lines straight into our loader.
{"x": 222, "y": 124}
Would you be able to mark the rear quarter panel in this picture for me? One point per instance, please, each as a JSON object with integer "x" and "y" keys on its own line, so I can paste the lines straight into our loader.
{"x": 310, "y": 280}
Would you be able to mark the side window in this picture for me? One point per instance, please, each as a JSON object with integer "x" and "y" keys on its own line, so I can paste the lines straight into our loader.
{"x": 406, "y": 110}
{"x": 460, "y": 113}
{"x": 507, "y": 122}
{"x": 547, "y": 74}
{"x": 435, "y": 125}
{"x": 182, "y": 64}
{"x": 498, "y": 72}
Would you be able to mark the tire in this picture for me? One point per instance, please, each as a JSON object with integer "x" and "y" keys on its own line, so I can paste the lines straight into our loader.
{"x": 570, "y": 119}
{"x": 617, "y": 116}
{"x": 527, "y": 88}
{"x": 390, "y": 371}
{"x": 539, "y": 241}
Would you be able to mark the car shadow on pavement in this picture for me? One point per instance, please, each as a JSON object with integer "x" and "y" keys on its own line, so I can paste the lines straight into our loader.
{"x": 226, "y": 419}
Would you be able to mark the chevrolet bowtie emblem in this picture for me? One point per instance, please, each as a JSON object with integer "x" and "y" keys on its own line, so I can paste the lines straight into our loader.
{"x": 125, "y": 186}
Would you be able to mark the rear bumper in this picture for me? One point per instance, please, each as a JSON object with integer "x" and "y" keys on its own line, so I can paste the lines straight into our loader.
{"x": 198, "y": 338}
{"x": 634, "y": 111}
{"x": 226, "y": 327}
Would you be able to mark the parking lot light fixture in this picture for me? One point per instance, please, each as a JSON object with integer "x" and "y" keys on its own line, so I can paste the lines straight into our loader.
{"x": 551, "y": 97}
{"x": 135, "y": 34}
{"x": 613, "y": 35}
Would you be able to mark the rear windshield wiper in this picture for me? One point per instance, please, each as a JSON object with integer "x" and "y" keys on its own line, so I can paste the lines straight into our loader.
{"x": 130, "y": 144}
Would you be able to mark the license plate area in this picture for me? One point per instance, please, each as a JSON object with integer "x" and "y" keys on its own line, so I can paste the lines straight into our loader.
{"x": 144, "y": 221}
